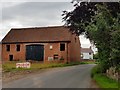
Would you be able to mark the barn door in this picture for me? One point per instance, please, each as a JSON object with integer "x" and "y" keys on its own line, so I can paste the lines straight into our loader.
{"x": 35, "y": 52}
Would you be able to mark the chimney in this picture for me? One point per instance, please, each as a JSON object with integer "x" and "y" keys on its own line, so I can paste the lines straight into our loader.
{"x": 90, "y": 47}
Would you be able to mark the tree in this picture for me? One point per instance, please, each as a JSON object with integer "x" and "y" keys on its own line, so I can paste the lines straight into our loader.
{"x": 99, "y": 23}
{"x": 83, "y": 13}
{"x": 95, "y": 56}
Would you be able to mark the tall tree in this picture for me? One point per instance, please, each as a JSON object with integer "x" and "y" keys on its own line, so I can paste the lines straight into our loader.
{"x": 100, "y": 23}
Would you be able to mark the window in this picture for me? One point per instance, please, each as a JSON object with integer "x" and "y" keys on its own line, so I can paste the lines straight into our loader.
{"x": 89, "y": 53}
{"x": 7, "y": 47}
{"x": 62, "y": 47}
{"x": 56, "y": 57}
{"x": 18, "y": 48}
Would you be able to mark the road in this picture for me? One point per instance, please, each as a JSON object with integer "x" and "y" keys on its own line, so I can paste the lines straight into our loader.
{"x": 66, "y": 77}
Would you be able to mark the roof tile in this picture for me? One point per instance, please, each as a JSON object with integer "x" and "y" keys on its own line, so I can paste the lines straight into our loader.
{"x": 39, "y": 34}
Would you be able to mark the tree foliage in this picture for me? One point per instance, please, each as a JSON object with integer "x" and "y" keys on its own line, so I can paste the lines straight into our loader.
{"x": 100, "y": 22}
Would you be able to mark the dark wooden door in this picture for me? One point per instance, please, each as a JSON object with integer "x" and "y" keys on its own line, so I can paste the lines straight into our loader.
{"x": 35, "y": 52}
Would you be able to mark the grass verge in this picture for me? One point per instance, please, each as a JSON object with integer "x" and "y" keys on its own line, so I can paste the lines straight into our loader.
{"x": 11, "y": 66}
{"x": 102, "y": 80}
{"x": 105, "y": 82}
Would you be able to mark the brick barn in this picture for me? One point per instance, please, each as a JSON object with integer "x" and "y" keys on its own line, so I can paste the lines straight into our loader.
{"x": 41, "y": 44}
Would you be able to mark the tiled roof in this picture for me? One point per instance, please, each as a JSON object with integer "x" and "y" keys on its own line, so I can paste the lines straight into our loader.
{"x": 86, "y": 50}
{"x": 39, "y": 34}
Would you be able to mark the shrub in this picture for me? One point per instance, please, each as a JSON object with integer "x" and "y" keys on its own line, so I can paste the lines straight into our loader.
{"x": 96, "y": 70}
{"x": 117, "y": 68}
{"x": 61, "y": 58}
{"x": 83, "y": 62}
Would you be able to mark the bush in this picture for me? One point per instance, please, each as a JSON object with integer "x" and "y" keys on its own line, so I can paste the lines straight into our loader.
{"x": 118, "y": 68}
{"x": 101, "y": 79}
{"x": 95, "y": 70}
{"x": 83, "y": 62}
{"x": 95, "y": 56}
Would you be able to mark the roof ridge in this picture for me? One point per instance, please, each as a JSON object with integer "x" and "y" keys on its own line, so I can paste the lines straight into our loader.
{"x": 37, "y": 27}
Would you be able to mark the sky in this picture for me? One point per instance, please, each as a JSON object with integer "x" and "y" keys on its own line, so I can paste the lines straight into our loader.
{"x": 23, "y": 14}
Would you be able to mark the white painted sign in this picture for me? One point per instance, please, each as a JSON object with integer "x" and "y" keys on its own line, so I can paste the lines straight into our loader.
{"x": 23, "y": 65}
{"x": 50, "y": 58}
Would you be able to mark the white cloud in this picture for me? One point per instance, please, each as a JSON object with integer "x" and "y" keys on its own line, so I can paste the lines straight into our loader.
{"x": 15, "y": 24}
{"x": 34, "y": 14}
{"x": 10, "y": 4}
{"x": 84, "y": 40}
{"x": 37, "y": 0}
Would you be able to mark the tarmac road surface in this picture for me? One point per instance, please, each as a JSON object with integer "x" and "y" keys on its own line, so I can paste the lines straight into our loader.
{"x": 64, "y": 77}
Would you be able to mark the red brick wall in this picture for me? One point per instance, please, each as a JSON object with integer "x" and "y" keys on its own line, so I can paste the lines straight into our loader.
{"x": 75, "y": 48}
{"x": 55, "y": 50}
{"x": 17, "y": 55}
{"x": 21, "y": 54}
{"x": 71, "y": 53}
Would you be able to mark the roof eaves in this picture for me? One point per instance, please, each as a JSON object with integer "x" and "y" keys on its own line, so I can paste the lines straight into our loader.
{"x": 36, "y": 42}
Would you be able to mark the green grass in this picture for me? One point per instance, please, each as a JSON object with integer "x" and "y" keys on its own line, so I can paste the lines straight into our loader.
{"x": 102, "y": 80}
{"x": 11, "y": 66}
{"x": 105, "y": 82}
